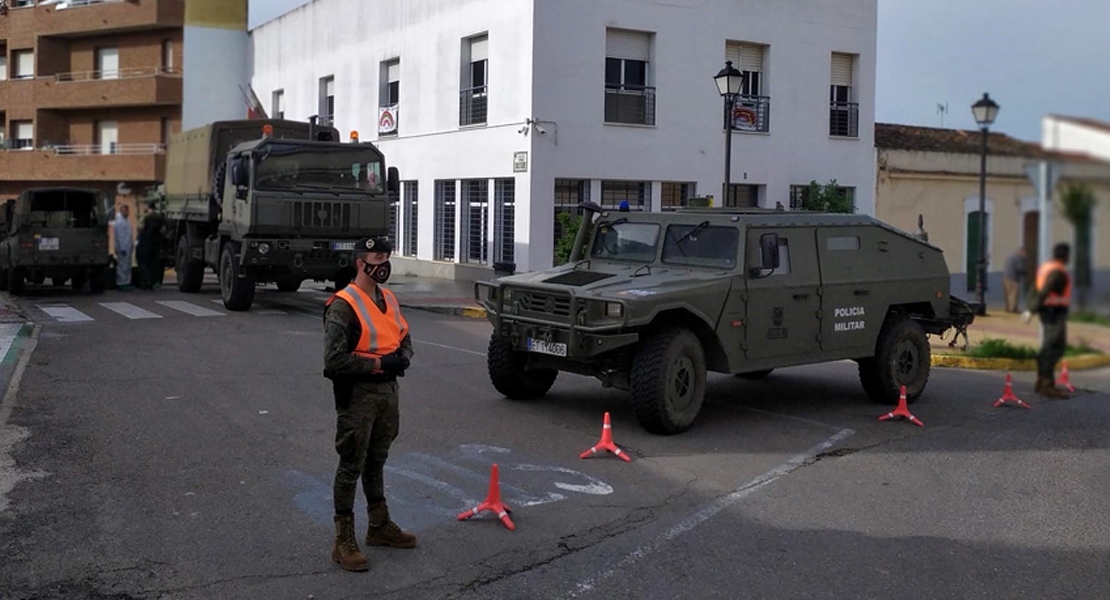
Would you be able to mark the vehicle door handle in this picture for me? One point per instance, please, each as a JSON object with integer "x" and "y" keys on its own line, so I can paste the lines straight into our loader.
{"x": 801, "y": 296}
{"x": 862, "y": 292}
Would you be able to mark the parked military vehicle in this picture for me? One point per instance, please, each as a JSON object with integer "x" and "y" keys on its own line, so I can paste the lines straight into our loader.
{"x": 55, "y": 232}
{"x": 261, "y": 201}
{"x": 649, "y": 302}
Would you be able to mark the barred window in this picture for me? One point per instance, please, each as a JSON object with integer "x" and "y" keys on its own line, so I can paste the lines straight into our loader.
{"x": 444, "y": 220}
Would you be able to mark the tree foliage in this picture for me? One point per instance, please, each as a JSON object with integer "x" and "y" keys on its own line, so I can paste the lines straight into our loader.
{"x": 827, "y": 198}
{"x": 1077, "y": 204}
{"x": 568, "y": 225}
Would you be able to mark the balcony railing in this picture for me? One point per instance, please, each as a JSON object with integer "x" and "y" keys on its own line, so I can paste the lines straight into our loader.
{"x": 109, "y": 149}
{"x": 844, "y": 119}
{"x": 134, "y": 73}
{"x": 751, "y": 113}
{"x": 631, "y": 104}
{"x": 473, "y": 105}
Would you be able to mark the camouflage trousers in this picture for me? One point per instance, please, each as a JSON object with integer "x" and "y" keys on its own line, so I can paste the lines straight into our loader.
{"x": 1054, "y": 340}
{"x": 367, "y": 422}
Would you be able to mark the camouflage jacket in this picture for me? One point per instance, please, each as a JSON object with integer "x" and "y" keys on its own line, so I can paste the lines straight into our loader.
{"x": 341, "y": 332}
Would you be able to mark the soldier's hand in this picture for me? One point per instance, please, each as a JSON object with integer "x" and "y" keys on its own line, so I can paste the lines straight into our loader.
{"x": 1026, "y": 316}
{"x": 394, "y": 363}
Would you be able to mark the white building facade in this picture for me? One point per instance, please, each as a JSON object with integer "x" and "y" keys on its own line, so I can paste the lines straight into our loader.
{"x": 500, "y": 113}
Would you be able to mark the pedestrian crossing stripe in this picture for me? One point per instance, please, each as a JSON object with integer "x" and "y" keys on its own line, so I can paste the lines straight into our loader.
{"x": 64, "y": 313}
{"x": 190, "y": 309}
{"x": 130, "y": 310}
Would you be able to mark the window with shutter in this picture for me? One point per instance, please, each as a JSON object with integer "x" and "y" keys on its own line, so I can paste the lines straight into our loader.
{"x": 752, "y": 107}
{"x": 628, "y": 96}
{"x": 843, "y": 112}
{"x": 24, "y": 64}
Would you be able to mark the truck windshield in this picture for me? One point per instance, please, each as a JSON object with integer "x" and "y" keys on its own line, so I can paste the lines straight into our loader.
{"x": 622, "y": 240}
{"x": 701, "y": 246}
{"x": 64, "y": 210}
{"x": 290, "y": 166}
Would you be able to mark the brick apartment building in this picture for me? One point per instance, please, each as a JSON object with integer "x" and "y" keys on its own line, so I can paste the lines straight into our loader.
{"x": 90, "y": 92}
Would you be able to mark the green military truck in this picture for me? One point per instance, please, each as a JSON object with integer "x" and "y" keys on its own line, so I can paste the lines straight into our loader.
{"x": 55, "y": 232}
{"x": 650, "y": 302}
{"x": 271, "y": 201}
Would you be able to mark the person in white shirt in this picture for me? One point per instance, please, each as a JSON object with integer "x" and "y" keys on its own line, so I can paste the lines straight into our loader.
{"x": 124, "y": 240}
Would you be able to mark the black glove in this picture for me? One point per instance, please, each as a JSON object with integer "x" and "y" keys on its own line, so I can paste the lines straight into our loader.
{"x": 394, "y": 363}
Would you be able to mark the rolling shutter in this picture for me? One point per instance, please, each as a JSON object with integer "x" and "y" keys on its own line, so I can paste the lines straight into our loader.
{"x": 746, "y": 57}
{"x": 841, "y": 69}
{"x": 479, "y": 49}
{"x": 393, "y": 72}
{"x": 632, "y": 45}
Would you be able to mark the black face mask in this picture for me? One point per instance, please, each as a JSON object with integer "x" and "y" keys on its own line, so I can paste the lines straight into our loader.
{"x": 379, "y": 273}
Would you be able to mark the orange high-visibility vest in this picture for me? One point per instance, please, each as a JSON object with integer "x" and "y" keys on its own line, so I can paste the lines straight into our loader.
{"x": 1053, "y": 298}
{"x": 382, "y": 332}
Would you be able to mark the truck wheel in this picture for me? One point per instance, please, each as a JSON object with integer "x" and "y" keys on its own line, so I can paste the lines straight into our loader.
{"x": 16, "y": 281}
{"x": 509, "y": 376}
{"x": 668, "y": 381}
{"x": 288, "y": 285}
{"x": 4, "y": 279}
{"x": 58, "y": 281}
{"x": 97, "y": 278}
{"x": 78, "y": 282}
{"x": 238, "y": 293}
{"x": 762, "y": 374}
{"x": 902, "y": 357}
{"x": 190, "y": 273}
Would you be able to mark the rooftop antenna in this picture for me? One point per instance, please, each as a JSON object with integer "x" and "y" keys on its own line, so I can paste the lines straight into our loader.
{"x": 942, "y": 109}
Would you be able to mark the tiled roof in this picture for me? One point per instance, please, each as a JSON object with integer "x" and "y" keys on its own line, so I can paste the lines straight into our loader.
{"x": 889, "y": 136}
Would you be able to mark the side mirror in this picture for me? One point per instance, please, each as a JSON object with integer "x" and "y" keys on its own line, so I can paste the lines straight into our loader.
{"x": 769, "y": 246}
{"x": 238, "y": 172}
{"x": 393, "y": 180}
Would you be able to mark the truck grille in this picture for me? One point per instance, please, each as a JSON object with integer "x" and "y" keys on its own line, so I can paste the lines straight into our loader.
{"x": 548, "y": 304}
{"x": 313, "y": 214}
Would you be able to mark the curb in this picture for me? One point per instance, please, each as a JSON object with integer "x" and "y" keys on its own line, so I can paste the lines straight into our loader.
{"x": 1075, "y": 363}
{"x": 469, "y": 312}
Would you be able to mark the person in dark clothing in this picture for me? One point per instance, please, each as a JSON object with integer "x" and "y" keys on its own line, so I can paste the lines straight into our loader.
{"x": 1012, "y": 278}
{"x": 149, "y": 253}
{"x": 1051, "y": 300}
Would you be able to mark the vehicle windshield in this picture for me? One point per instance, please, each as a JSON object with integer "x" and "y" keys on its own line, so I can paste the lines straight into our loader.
{"x": 622, "y": 240}
{"x": 65, "y": 210}
{"x": 701, "y": 245}
{"x": 291, "y": 166}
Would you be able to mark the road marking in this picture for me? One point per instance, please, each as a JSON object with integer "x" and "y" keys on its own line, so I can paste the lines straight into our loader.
{"x": 790, "y": 417}
{"x": 190, "y": 309}
{"x": 130, "y": 310}
{"x": 450, "y": 347}
{"x": 217, "y": 301}
{"x": 64, "y": 313}
{"x": 269, "y": 312}
{"x": 710, "y": 511}
{"x": 11, "y": 435}
{"x": 8, "y": 333}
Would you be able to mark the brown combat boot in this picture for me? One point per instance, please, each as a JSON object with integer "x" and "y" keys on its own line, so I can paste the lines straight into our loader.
{"x": 1049, "y": 390}
{"x": 1039, "y": 385}
{"x": 384, "y": 532}
{"x": 345, "y": 551}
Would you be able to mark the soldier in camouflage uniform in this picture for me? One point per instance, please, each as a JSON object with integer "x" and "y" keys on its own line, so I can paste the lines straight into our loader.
{"x": 367, "y": 347}
{"x": 1051, "y": 301}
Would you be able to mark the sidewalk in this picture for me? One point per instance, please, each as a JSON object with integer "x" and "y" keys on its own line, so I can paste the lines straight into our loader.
{"x": 444, "y": 296}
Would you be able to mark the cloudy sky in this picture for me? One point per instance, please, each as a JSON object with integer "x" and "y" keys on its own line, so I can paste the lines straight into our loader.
{"x": 1033, "y": 56}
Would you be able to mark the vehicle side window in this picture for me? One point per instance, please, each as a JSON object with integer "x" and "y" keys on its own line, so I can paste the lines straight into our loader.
{"x": 695, "y": 246}
{"x": 850, "y": 242}
{"x": 784, "y": 259}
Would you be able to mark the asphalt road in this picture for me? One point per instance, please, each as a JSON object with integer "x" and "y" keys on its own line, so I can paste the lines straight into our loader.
{"x": 159, "y": 446}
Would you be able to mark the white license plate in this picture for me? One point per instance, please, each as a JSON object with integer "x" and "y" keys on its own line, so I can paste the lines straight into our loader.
{"x": 342, "y": 245}
{"x": 552, "y": 348}
{"x": 48, "y": 243}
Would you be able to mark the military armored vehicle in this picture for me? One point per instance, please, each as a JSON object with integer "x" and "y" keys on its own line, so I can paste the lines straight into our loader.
{"x": 55, "y": 232}
{"x": 651, "y": 302}
{"x": 271, "y": 200}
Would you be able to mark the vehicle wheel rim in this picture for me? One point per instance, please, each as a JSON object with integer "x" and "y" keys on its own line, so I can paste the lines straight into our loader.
{"x": 906, "y": 361}
{"x": 225, "y": 279}
{"x": 682, "y": 383}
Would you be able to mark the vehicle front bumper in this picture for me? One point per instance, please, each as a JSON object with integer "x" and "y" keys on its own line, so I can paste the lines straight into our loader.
{"x": 310, "y": 258}
{"x": 564, "y": 333}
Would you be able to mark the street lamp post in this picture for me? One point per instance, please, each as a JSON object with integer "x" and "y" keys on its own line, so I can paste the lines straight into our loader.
{"x": 729, "y": 82}
{"x": 985, "y": 110}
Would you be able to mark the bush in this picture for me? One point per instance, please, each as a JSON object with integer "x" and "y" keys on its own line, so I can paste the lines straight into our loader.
{"x": 1090, "y": 317}
{"x": 996, "y": 348}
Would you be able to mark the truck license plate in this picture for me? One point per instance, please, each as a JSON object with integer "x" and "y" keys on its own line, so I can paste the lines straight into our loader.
{"x": 48, "y": 243}
{"x": 342, "y": 245}
{"x": 552, "y": 348}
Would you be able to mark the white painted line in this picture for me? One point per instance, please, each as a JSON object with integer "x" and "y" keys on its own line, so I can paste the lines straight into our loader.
{"x": 64, "y": 313}
{"x": 446, "y": 347}
{"x": 217, "y": 301}
{"x": 269, "y": 312}
{"x": 10, "y": 435}
{"x": 791, "y": 417}
{"x": 130, "y": 310}
{"x": 8, "y": 333}
{"x": 709, "y": 512}
{"x": 190, "y": 309}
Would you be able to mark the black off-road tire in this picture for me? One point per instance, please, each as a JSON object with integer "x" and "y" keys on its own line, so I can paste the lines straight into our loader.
{"x": 288, "y": 285}
{"x": 97, "y": 279}
{"x": 509, "y": 375}
{"x": 58, "y": 281}
{"x": 190, "y": 273}
{"x": 17, "y": 281}
{"x": 902, "y": 357}
{"x": 77, "y": 283}
{"x": 761, "y": 374}
{"x": 237, "y": 293}
{"x": 668, "y": 381}
{"x": 4, "y": 279}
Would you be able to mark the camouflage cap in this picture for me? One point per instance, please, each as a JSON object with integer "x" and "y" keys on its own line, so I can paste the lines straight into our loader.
{"x": 378, "y": 243}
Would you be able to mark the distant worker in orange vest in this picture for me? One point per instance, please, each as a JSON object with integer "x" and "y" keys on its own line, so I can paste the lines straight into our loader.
{"x": 1051, "y": 300}
{"x": 367, "y": 347}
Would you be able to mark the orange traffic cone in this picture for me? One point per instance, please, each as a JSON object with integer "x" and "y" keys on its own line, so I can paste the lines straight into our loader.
{"x": 1063, "y": 381}
{"x": 902, "y": 411}
{"x": 1008, "y": 395}
{"x": 492, "y": 503}
{"x": 606, "y": 443}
